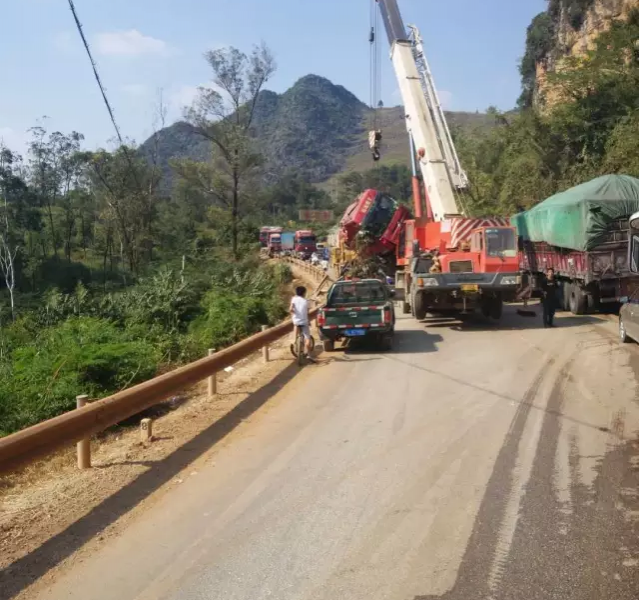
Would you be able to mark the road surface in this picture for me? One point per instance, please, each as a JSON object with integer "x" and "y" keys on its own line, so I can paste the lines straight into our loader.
{"x": 472, "y": 462}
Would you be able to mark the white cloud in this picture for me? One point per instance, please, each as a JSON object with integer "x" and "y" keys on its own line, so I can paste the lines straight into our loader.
{"x": 129, "y": 43}
{"x": 135, "y": 89}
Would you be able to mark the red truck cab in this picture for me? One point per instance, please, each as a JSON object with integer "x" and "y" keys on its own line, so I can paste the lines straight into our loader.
{"x": 379, "y": 217}
{"x": 305, "y": 243}
{"x": 275, "y": 243}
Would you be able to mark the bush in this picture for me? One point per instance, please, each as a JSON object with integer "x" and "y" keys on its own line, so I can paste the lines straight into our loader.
{"x": 82, "y": 355}
{"x": 282, "y": 273}
{"x": 228, "y": 318}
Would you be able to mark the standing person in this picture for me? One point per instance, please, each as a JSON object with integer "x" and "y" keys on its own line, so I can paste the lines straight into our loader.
{"x": 299, "y": 312}
{"x": 549, "y": 289}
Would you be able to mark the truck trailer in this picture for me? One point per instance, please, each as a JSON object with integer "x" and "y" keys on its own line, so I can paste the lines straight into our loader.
{"x": 582, "y": 234}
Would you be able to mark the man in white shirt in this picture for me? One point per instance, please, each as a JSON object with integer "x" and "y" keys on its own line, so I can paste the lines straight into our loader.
{"x": 299, "y": 312}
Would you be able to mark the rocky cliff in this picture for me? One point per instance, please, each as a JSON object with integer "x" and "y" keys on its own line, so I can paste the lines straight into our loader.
{"x": 567, "y": 28}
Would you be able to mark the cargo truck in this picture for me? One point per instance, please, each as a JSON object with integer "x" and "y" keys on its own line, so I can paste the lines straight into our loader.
{"x": 582, "y": 234}
{"x": 305, "y": 243}
{"x": 288, "y": 241}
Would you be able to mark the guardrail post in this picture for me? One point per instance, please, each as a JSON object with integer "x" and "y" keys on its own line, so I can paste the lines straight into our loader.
{"x": 265, "y": 349}
{"x": 83, "y": 446}
{"x": 212, "y": 380}
{"x": 146, "y": 430}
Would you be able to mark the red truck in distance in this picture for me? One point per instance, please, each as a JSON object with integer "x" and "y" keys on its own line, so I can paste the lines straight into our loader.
{"x": 265, "y": 233}
{"x": 305, "y": 243}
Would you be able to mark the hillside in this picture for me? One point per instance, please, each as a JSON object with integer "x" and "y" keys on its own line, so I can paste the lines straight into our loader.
{"x": 316, "y": 129}
{"x": 567, "y": 29}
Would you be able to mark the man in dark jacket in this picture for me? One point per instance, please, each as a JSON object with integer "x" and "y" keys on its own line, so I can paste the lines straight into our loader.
{"x": 549, "y": 288}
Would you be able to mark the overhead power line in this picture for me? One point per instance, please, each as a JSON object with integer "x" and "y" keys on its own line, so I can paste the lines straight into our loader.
{"x": 104, "y": 96}
{"x": 95, "y": 70}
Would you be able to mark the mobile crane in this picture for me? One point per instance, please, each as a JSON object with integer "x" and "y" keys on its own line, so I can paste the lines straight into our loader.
{"x": 445, "y": 260}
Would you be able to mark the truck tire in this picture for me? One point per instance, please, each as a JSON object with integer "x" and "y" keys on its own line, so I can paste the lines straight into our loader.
{"x": 329, "y": 345}
{"x": 496, "y": 308}
{"x": 578, "y": 300}
{"x": 485, "y": 307}
{"x": 565, "y": 295}
{"x": 419, "y": 307}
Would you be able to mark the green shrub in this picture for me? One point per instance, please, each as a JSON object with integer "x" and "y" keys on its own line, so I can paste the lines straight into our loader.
{"x": 228, "y": 317}
{"x": 282, "y": 273}
{"x": 82, "y": 355}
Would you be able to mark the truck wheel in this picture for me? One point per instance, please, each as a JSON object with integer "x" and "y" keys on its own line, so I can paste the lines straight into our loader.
{"x": 496, "y": 308}
{"x": 486, "y": 307}
{"x": 419, "y": 307}
{"x": 329, "y": 345}
{"x": 565, "y": 295}
{"x": 578, "y": 300}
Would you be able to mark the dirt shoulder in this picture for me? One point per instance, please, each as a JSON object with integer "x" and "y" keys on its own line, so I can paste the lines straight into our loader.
{"x": 50, "y": 510}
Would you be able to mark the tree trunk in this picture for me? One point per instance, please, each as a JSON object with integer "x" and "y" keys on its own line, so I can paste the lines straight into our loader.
{"x": 234, "y": 214}
{"x": 54, "y": 242}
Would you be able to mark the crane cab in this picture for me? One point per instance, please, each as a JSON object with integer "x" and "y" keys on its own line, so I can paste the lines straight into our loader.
{"x": 495, "y": 249}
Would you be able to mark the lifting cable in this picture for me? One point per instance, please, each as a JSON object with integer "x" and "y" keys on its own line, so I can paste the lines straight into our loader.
{"x": 375, "y": 78}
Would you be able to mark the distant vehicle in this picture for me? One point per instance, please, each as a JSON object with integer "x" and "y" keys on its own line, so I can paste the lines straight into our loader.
{"x": 265, "y": 232}
{"x": 305, "y": 243}
{"x": 275, "y": 244}
{"x": 288, "y": 241}
{"x": 357, "y": 308}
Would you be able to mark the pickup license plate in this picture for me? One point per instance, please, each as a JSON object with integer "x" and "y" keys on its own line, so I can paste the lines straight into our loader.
{"x": 469, "y": 287}
{"x": 354, "y": 332}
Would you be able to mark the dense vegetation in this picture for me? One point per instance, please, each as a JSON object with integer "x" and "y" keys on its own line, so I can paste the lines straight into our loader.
{"x": 104, "y": 279}
{"x": 592, "y": 131}
{"x": 540, "y": 38}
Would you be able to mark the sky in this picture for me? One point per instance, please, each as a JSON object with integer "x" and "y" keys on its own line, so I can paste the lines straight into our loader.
{"x": 148, "y": 48}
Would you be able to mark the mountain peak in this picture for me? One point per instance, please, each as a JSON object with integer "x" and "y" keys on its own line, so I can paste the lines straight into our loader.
{"x": 314, "y": 129}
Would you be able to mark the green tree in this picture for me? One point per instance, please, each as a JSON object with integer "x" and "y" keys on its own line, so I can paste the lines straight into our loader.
{"x": 224, "y": 115}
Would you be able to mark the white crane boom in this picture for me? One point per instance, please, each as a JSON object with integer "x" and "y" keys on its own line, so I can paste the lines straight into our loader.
{"x": 425, "y": 120}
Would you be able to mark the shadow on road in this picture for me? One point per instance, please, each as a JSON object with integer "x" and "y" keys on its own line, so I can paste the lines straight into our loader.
{"x": 28, "y": 569}
{"x": 509, "y": 321}
{"x": 411, "y": 341}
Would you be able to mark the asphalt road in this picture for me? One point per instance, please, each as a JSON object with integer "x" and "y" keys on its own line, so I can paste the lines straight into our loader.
{"x": 472, "y": 462}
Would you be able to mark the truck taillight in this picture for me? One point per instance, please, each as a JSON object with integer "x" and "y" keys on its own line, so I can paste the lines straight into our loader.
{"x": 321, "y": 318}
{"x": 387, "y": 315}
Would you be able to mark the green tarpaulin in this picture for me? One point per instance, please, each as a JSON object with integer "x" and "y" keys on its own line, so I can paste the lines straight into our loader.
{"x": 578, "y": 218}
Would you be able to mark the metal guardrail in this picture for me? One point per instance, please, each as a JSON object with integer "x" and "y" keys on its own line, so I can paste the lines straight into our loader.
{"x": 44, "y": 438}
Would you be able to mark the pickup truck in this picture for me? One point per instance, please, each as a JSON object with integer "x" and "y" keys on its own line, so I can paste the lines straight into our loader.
{"x": 357, "y": 308}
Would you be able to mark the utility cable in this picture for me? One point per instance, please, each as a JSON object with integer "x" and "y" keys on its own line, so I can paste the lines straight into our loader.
{"x": 103, "y": 92}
